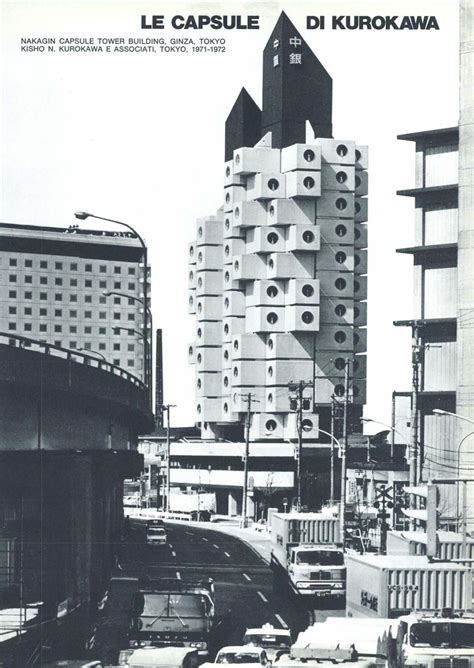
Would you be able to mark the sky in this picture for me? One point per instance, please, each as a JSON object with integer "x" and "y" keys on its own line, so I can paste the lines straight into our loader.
{"x": 139, "y": 137}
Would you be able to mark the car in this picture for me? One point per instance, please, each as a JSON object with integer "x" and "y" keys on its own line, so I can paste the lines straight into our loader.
{"x": 156, "y": 535}
{"x": 274, "y": 641}
{"x": 242, "y": 655}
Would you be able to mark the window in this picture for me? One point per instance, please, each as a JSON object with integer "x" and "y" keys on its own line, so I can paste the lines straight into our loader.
{"x": 27, "y": 326}
{"x": 102, "y": 315}
{"x": 87, "y": 330}
{"x": 43, "y": 280}
{"x": 131, "y": 302}
{"x": 12, "y": 326}
{"x": 73, "y": 266}
{"x": 273, "y": 184}
{"x": 131, "y": 316}
{"x": 307, "y": 290}
{"x": 28, "y": 279}
{"x": 103, "y": 268}
{"x": 131, "y": 347}
{"x": 58, "y": 297}
{"x": 307, "y": 317}
{"x": 88, "y": 299}
{"x": 43, "y": 264}
{"x": 58, "y": 265}
{"x": 342, "y": 150}
{"x": 28, "y": 263}
{"x": 101, "y": 346}
{"x": 87, "y": 283}
{"x": 12, "y": 278}
{"x": 130, "y": 363}
{"x": 43, "y": 328}
{"x": 58, "y": 281}
{"x": 102, "y": 330}
{"x": 308, "y": 182}
{"x": 117, "y": 270}
{"x": 73, "y": 329}
{"x": 73, "y": 282}
{"x": 43, "y": 312}
{"x": 28, "y": 310}
{"x": 131, "y": 286}
{"x": 58, "y": 328}
{"x": 309, "y": 155}
{"x": 87, "y": 345}
{"x": 116, "y": 346}
{"x": 131, "y": 271}
{"x": 87, "y": 314}
{"x": 12, "y": 310}
{"x": 88, "y": 267}
{"x": 102, "y": 284}
{"x": 73, "y": 344}
{"x": 117, "y": 285}
{"x": 58, "y": 313}
{"x": 73, "y": 298}
{"x": 102, "y": 300}
{"x": 340, "y": 257}
{"x": 73, "y": 314}
{"x": 12, "y": 294}
{"x": 116, "y": 362}
{"x": 116, "y": 300}
{"x": 43, "y": 296}
{"x": 272, "y": 318}
{"x": 116, "y": 316}
{"x": 272, "y": 291}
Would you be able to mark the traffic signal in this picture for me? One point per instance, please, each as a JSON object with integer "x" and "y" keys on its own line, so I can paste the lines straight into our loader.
{"x": 429, "y": 515}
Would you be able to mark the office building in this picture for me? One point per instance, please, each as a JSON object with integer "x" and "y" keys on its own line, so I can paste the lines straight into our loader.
{"x": 76, "y": 289}
{"x": 277, "y": 277}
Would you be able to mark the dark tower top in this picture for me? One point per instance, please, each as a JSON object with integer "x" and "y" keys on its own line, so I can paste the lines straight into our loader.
{"x": 296, "y": 88}
{"x": 243, "y": 126}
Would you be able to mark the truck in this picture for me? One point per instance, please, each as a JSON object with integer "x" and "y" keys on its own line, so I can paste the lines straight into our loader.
{"x": 171, "y": 612}
{"x": 306, "y": 554}
{"x": 389, "y": 586}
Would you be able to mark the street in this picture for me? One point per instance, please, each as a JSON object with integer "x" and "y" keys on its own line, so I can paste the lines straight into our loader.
{"x": 243, "y": 585}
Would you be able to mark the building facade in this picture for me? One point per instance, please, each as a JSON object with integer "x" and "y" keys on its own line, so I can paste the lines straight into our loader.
{"x": 77, "y": 289}
{"x": 277, "y": 277}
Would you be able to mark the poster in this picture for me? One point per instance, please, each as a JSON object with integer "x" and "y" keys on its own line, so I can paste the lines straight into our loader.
{"x": 118, "y": 108}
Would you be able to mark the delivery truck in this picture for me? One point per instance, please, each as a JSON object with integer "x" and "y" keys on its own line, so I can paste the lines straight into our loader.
{"x": 306, "y": 554}
{"x": 394, "y": 585}
{"x": 450, "y": 544}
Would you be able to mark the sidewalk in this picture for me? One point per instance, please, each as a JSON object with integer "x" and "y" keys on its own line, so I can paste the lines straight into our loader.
{"x": 259, "y": 540}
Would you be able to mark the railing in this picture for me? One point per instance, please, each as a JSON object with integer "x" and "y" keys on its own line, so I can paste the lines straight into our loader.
{"x": 67, "y": 354}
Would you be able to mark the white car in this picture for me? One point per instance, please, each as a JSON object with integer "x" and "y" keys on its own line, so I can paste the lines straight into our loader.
{"x": 243, "y": 655}
{"x": 274, "y": 641}
{"x": 156, "y": 535}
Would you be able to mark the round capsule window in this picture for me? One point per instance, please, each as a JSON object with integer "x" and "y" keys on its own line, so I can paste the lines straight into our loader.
{"x": 271, "y": 263}
{"x": 341, "y": 177}
{"x": 356, "y": 312}
{"x": 308, "y": 237}
{"x": 237, "y": 159}
{"x": 200, "y": 256}
{"x": 272, "y": 318}
{"x": 236, "y": 344}
{"x": 356, "y": 339}
{"x": 227, "y": 171}
{"x": 199, "y": 282}
{"x": 356, "y": 286}
{"x": 226, "y": 355}
{"x": 191, "y": 301}
{"x": 272, "y": 238}
{"x": 227, "y": 198}
{"x": 199, "y": 358}
{"x": 339, "y": 390}
{"x": 227, "y": 224}
{"x": 226, "y": 303}
{"x": 355, "y": 391}
{"x": 357, "y": 181}
{"x": 307, "y": 317}
{"x": 273, "y": 184}
{"x": 226, "y": 381}
{"x": 270, "y": 371}
{"x": 200, "y": 232}
{"x": 270, "y": 425}
{"x": 340, "y": 310}
{"x": 191, "y": 276}
{"x": 307, "y": 290}
{"x": 358, "y": 154}
{"x": 356, "y": 260}
{"x": 191, "y": 251}
{"x": 272, "y": 291}
{"x": 342, "y": 150}
{"x": 237, "y": 212}
{"x": 227, "y": 250}
{"x": 357, "y": 207}
{"x": 199, "y": 307}
{"x": 340, "y": 363}
{"x": 355, "y": 365}
{"x": 190, "y": 351}
{"x": 226, "y": 329}
{"x": 356, "y": 232}
{"x": 307, "y": 424}
{"x": 341, "y": 257}
{"x": 199, "y": 333}
{"x": 340, "y": 283}
{"x": 226, "y": 407}
{"x": 198, "y": 383}
{"x": 199, "y": 408}
{"x": 226, "y": 277}
{"x": 308, "y": 182}
{"x": 271, "y": 210}
{"x": 340, "y": 337}
{"x": 270, "y": 344}
{"x": 270, "y": 398}
{"x": 309, "y": 155}
{"x": 236, "y": 265}
{"x": 341, "y": 230}
{"x": 235, "y": 372}
{"x": 341, "y": 204}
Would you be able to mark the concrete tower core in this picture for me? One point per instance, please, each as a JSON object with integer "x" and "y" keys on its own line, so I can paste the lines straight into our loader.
{"x": 296, "y": 88}
{"x": 465, "y": 319}
{"x": 243, "y": 126}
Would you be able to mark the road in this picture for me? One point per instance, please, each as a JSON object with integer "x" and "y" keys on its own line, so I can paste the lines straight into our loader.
{"x": 243, "y": 585}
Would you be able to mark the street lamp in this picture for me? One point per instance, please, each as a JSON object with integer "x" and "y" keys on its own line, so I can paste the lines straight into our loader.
{"x": 150, "y": 316}
{"x": 82, "y": 215}
{"x": 439, "y": 411}
{"x": 392, "y": 429}
{"x": 92, "y": 352}
{"x": 333, "y": 440}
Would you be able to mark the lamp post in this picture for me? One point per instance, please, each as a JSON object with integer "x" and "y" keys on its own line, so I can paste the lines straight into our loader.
{"x": 82, "y": 215}
{"x": 150, "y": 316}
{"x": 392, "y": 429}
{"x": 92, "y": 352}
{"x": 333, "y": 440}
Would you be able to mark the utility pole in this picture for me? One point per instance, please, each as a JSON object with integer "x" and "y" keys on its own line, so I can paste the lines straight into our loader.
{"x": 246, "y": 460}
{"x": 333, "y": 410}
{"x": 414, "y": 455}
{"x": 345, "y": 439}
{"x": 166, "y": 408}
{"x": 299, "y": 403}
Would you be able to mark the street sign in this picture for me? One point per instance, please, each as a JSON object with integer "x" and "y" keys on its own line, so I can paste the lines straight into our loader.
{"x": 358, "y": 440}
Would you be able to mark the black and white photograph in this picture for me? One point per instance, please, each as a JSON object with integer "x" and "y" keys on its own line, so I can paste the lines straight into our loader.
{"x": 237, "y": 334}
